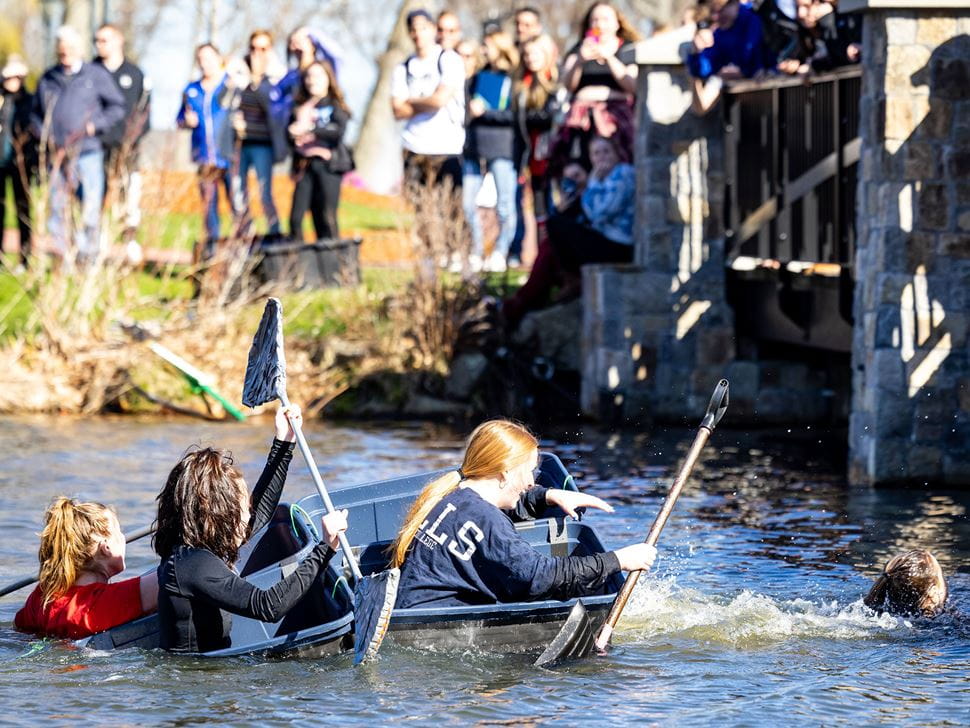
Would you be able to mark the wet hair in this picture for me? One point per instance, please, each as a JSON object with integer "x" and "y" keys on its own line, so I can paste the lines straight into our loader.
{"x": 625, "y": 31}
{"x": 911, "y": 584}
{"x": 302, "y": 94}
{"x": 69, "y": 542}
{"x": 493, "y": 448}
{"x": 200, "y": 505}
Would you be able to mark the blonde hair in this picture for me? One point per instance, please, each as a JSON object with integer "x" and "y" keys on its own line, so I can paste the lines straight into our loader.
{"x": 68, "y": 542}
{"x": 508, "y": 54}
{"x": 544, "y": 82}
{"x": 495, "y": 447}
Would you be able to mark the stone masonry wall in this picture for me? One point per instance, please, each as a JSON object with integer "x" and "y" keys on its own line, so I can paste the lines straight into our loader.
{"x": 658, "y": 334}
{"x": 910, "y": 417}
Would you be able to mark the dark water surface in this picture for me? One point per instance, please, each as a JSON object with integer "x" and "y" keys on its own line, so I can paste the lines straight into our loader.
{"x": 753, "y": 615}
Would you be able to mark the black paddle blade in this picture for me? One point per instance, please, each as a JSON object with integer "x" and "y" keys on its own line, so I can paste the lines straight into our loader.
{"x": 374, "y": 598}
{"x": 717, "y": 406}
{"x": 266, "y": 370}
{"x": 574, "y": 640}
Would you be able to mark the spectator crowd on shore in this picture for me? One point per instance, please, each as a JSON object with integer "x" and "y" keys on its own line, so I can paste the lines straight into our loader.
{"x": 551, "y": 128}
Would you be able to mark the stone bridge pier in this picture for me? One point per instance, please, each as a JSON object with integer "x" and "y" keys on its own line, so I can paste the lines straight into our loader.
{"x": 910, "y": 420}
{"x": 657, "y": 334}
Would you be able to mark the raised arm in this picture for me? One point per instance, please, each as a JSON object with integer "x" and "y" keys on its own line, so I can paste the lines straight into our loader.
{"x": 268, "y": 489}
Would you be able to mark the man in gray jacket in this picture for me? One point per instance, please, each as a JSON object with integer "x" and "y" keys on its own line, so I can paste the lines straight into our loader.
{"x": 75, "y": 103}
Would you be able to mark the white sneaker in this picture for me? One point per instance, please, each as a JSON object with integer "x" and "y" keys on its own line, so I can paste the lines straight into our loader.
{"x": 475, "y": 263}
{"x": 495, "y": 263}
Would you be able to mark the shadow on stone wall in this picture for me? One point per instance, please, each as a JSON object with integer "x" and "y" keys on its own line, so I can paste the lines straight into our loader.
{"x": 911, "y": 400}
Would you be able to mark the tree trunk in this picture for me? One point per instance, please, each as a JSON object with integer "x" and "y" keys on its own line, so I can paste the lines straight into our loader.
{"x": 378, "y": 151}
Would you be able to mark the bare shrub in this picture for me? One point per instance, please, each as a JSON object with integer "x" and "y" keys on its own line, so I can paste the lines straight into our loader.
{"x": 428, "y": 313}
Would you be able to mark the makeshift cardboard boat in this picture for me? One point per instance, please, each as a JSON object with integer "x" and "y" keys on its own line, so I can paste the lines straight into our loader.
{"x": 321, "y": 624}
{"x": 376, "y": 512}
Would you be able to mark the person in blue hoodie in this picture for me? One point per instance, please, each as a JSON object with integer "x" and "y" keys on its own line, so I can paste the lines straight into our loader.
{"x": 75, "y": 104}
{"x": 205, "y": 116}
{"x": 737, "y": 41}
{"x": 458, "y": 545}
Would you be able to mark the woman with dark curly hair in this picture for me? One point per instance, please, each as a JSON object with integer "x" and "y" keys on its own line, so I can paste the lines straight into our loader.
{"x": 205, "y": 513}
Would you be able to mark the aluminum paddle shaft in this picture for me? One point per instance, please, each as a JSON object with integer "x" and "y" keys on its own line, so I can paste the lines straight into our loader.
{"x": 715, "y": 410}
{"x": 321, "y": 488}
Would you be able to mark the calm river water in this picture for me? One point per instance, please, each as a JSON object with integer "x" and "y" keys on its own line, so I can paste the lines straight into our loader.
{"x": 753, "y": 615}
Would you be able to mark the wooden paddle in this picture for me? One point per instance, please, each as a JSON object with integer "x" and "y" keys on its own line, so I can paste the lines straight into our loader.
{"x": 27, "y": 581}
{"x": 575, "y": 638}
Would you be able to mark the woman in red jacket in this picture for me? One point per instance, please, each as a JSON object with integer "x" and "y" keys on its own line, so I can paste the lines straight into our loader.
{"x": 81, "y": 548}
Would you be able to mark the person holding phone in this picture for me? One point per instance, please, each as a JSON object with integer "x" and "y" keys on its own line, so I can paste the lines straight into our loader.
{"x": 601, "y": 76}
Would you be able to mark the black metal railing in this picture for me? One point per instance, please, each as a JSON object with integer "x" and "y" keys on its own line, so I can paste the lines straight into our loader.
{"x": 792, "y": 153}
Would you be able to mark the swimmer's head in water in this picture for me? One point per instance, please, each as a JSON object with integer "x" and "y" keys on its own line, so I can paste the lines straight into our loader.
{"x": 911, "y": 584}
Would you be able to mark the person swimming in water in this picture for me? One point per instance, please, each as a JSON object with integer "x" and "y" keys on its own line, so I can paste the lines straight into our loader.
{"x": 81, "y": 549}
{"x": 911, "y": 585}
{"x": 458, "y": 545}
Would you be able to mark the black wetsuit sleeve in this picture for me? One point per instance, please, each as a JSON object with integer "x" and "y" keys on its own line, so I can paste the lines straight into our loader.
{"x": 517, "y": 572}
{"x": 266, "y": 494}
{"x": 531, "y": 505}
{"x": 208, "y": 578}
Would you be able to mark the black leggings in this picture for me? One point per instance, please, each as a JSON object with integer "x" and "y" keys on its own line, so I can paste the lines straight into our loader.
{"x": 576, "y": 244}
{"x": 317, "y": 189}
{"x": 22, "y": 204}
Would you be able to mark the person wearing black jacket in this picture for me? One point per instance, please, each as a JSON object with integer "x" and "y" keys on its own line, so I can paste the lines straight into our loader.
{"x": 490, "y": 146}
{"x": 204, "y": 515}
{"x": 121, "y": 141}
{"x": 18, "y": 150}
{"x": 257, "y": 130}
{"x": 320, "y": 157}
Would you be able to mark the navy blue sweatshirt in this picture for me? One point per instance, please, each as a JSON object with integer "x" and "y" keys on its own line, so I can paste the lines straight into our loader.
{"x": 73, "y": 100}
{"x": 468, "y": 552}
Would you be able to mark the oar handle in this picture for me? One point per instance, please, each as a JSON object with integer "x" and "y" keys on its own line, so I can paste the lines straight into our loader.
{"x": 28, "y": 580}
{"x": 321, "y": 488}
{"x": 715, "y": 411}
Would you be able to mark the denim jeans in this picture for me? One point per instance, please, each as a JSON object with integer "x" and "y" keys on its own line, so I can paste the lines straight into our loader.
{"x": 82, "y": 177}
{"x": 210, "y": 179}
{"x": 506, "y": 179}
{"x": 258, "y": 156}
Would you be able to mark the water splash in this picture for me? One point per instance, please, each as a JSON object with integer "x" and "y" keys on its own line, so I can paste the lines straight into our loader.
{"x": 659, "y": 608}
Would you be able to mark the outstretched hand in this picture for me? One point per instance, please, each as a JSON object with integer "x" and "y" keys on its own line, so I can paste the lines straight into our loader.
{"x": 570, "y": 500}
{"x": 284, "y": 430}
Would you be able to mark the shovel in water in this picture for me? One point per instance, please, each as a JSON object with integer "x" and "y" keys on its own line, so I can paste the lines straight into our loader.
{"x": 576, "y": 639}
